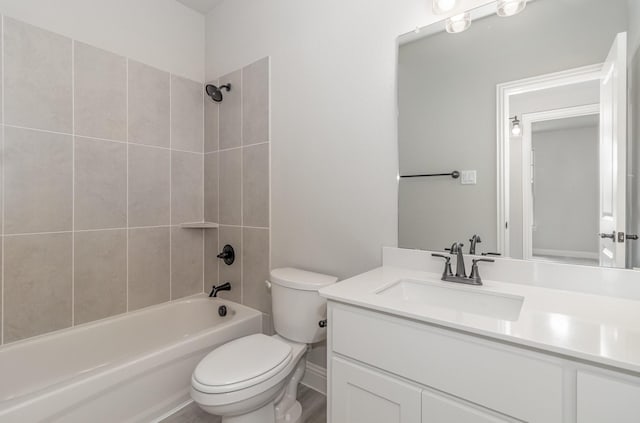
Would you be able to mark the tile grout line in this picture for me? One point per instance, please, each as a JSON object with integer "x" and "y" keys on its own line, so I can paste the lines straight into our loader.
{"x": 170, "y": 186}
{"x": 91, "y": 230}
{"x": 3, "y": 184}
{"x": 218, "y": 190}
{"x": 105, "y": 139}
{"x": 237, "y": 148}
{"x": 73, "y": 183}
{"x": 127, "y": 193}
{"x": 204, "y": 214}
{"x": 242, "y": 246}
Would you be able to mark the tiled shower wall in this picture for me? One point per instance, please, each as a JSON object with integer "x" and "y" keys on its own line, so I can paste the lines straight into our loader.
{"x": 237, "y": 185}
{"x": 102, "y": 160}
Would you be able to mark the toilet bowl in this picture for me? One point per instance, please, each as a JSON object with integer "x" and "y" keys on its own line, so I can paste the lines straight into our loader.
{"x": 254, "y": 379}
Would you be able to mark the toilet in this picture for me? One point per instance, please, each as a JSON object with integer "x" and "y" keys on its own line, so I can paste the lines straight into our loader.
{"x": 254, "y": 379}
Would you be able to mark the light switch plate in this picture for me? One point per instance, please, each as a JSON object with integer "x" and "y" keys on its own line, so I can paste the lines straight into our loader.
{"x": 469, "y": 177}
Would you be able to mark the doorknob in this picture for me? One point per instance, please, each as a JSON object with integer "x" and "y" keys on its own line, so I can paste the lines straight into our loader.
{"x": 612, "y": 236}
{"x": 622, "y": 237}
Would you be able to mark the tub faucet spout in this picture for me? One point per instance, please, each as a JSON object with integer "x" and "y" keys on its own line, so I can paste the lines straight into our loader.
{"x": 224, "y": 287}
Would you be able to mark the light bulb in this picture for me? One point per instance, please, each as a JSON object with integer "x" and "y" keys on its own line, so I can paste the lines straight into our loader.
{"x": 458, "y": 23}
{"x": 443, "y": 6}
{"x": 510, "y": 7}
{"x": 516, "y": 130}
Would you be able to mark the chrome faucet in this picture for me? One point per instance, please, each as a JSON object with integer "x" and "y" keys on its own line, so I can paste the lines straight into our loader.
{"x": 474, "y": 241}
{"x": 456, "y": 249}
{"x": 461, "y": 273}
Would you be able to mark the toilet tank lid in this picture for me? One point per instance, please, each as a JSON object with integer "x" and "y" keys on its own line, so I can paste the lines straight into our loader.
{"x": 301, "y": 279}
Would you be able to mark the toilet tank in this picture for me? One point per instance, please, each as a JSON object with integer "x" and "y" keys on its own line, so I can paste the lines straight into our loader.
{"x": 297, "y": 306}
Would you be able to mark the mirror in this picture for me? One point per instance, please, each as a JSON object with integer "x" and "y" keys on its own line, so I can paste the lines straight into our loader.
{"x": 524, "y": 132}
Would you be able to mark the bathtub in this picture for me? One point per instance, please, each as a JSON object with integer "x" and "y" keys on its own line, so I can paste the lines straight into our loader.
{"x": 129, "y": 368}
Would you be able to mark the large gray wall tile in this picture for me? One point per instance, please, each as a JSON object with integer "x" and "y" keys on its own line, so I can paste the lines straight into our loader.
{"x": 255, "y": 102}
{"x": 211, "y": 187}
{"x": 149, "y": 95}
{"x": 255, "y": 185}
{"x": 100, "y": 93}
{"x": 230, "y": 180}
{"x": 187, "y": 115}
{"x": 233, "y": 236}
{"x": 187, "y": 187}
{"x": 255, "y": 262}
{"x": 231, "y": 112}
{"x": 100, "y": 278}
{"x": 211, "y": 114}
{"x": 186, "y": 262}
{"x": 37, "y": 70}
{"x": 149, "y": 199}
{"x": 37, "y": 283}
{"x": 38, "y": 181}
{"x": 149, "y": 256}
{"x": 100, "y": 184}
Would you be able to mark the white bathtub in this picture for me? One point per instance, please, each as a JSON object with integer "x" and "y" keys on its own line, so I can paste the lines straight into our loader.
{"x": 129, "y": 368}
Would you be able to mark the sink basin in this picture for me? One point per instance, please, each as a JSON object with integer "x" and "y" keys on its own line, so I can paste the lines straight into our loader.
{"x": 464, "y": 299}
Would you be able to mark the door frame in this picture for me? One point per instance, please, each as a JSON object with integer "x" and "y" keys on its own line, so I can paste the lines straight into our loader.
{"x": 527, "y": 196}
{"x": 504, "y": 92}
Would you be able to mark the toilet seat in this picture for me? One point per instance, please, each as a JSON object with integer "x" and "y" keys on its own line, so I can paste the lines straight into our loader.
{"x": 241, "y": 364}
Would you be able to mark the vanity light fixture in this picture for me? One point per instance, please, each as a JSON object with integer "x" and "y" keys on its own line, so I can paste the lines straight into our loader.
{"x": 458, "y": 23}
{"x": 443, "y": 6}
{"x": 516, "y": 130}
{"x": 510, "y": 7}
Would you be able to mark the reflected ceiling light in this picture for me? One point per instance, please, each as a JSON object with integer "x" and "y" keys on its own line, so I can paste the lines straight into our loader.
{"x": 511, "y": 7}
{"x": 516, "y": 130}
{"x": 458, "y": 23}
{"x": 443, "y": 6}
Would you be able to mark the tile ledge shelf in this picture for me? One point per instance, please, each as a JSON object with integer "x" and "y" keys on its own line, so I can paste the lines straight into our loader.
{"x": 199, "y": 225}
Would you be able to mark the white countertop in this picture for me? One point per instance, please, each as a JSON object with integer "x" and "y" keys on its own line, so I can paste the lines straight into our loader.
{"x": 599, "y": 329}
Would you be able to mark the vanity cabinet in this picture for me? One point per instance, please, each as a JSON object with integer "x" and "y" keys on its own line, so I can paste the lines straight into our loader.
{"x": 384, "y": 368}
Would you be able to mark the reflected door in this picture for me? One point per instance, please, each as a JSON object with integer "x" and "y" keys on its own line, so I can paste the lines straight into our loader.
{"x": 613, "y": 135}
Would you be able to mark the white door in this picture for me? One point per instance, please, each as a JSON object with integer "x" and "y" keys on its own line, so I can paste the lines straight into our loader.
{"x": 613, "y": 154}
{"x": 361, "y": 395}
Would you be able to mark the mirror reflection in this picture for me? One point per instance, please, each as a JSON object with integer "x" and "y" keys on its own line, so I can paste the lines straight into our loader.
{"x": 522, "y": 132}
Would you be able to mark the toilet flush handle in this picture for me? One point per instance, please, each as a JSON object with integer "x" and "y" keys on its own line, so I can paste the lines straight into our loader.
{"x": 268, "y": 284}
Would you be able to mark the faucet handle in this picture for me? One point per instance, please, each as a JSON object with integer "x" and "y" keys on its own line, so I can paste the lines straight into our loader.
{"x": 475, "y": 274}
{"x": 447, "y": 265}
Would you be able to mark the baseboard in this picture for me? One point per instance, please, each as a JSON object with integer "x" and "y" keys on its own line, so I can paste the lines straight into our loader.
{"x": 315, "y": 377}
{"x": 565, "y": 253}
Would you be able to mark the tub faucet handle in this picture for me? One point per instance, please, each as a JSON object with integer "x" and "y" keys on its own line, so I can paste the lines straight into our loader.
{"x": 215, "y": 289}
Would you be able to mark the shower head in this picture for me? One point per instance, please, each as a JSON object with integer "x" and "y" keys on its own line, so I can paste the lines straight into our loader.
{"x": 216, "y": 92}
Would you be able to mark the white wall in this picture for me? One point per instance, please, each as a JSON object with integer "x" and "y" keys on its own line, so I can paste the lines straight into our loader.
{"x": 161, "y": 33}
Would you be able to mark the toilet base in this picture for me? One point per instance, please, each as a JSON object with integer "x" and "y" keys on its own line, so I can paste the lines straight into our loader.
{"x": 292, "y": 415}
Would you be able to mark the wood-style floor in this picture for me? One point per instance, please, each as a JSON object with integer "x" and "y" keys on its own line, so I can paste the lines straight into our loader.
{"x": 314, "y": 410}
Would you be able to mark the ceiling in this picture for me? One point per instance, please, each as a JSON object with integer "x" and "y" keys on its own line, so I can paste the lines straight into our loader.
{"x": 202, "y": 6}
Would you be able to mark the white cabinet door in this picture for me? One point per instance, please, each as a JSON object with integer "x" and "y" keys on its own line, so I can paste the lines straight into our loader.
{"x": 606, "y": 400}
{"x": 361, "y": 395}
{"x": 440, "y": 409}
